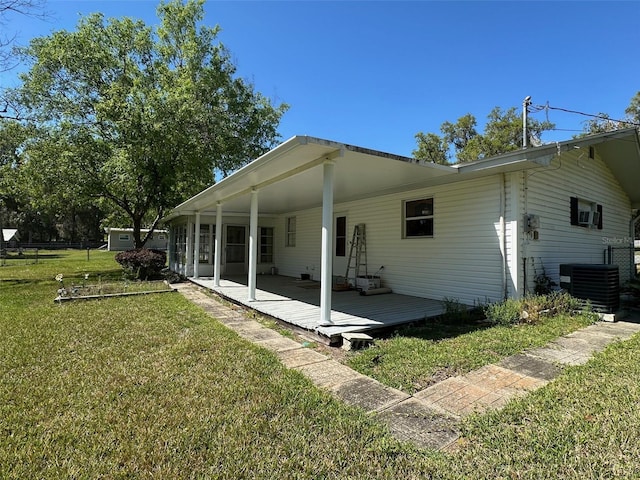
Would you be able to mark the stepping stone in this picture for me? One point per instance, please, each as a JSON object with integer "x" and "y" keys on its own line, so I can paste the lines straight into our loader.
{"x": 531, "y": 366}
{"x": 414, "y": 421}
{"x": 368, "y": 394}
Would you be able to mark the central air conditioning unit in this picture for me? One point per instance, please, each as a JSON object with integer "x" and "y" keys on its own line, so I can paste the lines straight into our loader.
{"x": 597, "y": 283}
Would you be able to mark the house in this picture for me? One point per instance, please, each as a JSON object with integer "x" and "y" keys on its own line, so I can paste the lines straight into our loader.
{"x": 484, "y": 230}
{"x": 119, "y": 239}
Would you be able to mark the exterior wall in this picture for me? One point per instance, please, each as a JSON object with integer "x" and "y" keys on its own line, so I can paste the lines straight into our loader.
{"x": 547, "y": 194}
{"x": 462, "y": 260}
{"x": 160, "y": 239}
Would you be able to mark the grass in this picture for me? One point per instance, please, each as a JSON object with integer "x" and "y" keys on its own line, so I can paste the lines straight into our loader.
{"x": 415, "y": 358}
{"x": 152, "y": 387}
{"x": 583, "y": 425}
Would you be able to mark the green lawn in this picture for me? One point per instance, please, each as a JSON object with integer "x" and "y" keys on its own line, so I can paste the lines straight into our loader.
{"x": 415, "y": 358}
{"x": 151, "y": 387}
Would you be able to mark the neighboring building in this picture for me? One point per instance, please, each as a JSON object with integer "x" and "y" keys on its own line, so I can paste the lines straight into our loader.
{"x": 478, "y": 231}
{"x": 122, "y": 239}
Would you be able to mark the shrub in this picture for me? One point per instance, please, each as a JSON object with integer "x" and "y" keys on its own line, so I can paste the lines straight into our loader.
{"x": 531, "y": 308}
{"x": 454, "y": 311}
{"x": 142, "y": 263}
{"x": 507, "y": 312}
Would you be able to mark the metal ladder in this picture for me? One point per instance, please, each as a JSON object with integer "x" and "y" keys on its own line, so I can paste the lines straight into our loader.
{"x": 357, "y": 255}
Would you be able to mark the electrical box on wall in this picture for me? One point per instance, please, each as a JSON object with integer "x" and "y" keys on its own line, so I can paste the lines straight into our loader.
{"x": 531, "y": 223}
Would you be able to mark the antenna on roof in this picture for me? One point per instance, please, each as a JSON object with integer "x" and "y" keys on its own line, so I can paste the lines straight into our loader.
{"x": 525, "y": 103}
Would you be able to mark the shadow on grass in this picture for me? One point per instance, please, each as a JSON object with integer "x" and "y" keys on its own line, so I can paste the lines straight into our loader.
{"x": 106, "y": 276}
{"x": 443, "y": 328}
{"x": 31, "y": 256}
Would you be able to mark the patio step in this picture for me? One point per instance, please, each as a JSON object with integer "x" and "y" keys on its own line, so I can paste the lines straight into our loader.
{"x": 355, "y": 340}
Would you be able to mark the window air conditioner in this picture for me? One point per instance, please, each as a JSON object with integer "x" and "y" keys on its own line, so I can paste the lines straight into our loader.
{"x": 584, "y": 217}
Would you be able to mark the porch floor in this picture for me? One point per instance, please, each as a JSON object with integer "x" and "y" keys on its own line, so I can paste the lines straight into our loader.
{"x": 297, "y": 302}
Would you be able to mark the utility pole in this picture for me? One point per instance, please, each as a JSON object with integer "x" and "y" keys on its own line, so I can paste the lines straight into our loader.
{"x": 525, "y": 103}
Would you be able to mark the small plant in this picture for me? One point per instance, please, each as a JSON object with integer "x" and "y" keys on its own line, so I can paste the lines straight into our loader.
{"x": 454, "y": 310}
{"x": 507, "y": 312}
{"x": 143, "y": 263}
{"x": 62, "y": 292}
{"x": 543, "y": 283}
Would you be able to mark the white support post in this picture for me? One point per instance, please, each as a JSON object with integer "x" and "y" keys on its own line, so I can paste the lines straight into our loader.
{"x": 253, "y": 245}
{"x": 189, "y": 241}
{"x": 196, "y": 248}
{"x": 217, "y": 252}
{"x": 327, "y": 244}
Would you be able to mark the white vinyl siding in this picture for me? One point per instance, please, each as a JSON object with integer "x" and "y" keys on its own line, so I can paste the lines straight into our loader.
{"x": 462, "y": 260}
{"x": 548, "y": 196}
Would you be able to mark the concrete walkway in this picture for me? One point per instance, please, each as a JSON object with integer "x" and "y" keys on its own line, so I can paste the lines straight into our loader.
{"x": 429, "y": 418}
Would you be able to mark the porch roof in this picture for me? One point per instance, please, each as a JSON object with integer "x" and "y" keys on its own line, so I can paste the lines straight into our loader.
{"x": 289, "y": 177}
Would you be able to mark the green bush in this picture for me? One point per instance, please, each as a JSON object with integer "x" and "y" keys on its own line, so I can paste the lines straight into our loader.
{"x": 507, "y": 312}
{"x": 143, "y": 263}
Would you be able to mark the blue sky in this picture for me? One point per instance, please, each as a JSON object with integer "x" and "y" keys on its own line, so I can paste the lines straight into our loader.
{"x": 375, "y": 73}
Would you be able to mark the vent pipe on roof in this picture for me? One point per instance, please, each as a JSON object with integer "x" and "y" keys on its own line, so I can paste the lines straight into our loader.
{"x": 525, "y": 103}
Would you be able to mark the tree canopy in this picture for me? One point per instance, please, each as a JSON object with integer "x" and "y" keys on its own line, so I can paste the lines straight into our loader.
{"x": 138, "y": 116}
{"x": 461, "y": 141}
{"x": 604, "y": 123}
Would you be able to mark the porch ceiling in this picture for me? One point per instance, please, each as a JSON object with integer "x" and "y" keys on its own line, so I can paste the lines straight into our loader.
{"x": 622, "y": 155}
{"x": 290, "y": 178}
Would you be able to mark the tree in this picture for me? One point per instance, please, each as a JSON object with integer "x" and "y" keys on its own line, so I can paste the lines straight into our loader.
{"x": 600, "y": 124}
{"x": 633, "y": 110}
{"x": 502, "y": 134}
{"x": 8, "y": 8}
{"x": 137, "y": 116}
{"x": 431, "y": 148}
{"x": 31, "y": 8}
{"x": 604, "y": 123}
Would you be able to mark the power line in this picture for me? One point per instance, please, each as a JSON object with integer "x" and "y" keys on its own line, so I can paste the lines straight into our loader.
{"x": 547, "y": 107}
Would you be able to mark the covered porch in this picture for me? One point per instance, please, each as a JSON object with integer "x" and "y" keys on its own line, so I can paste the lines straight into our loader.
{"x": 301, "y": 174}
{"x": 297, "y": 302}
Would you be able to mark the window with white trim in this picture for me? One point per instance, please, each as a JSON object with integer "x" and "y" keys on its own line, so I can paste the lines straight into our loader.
{"x": 266, "y": 245}
{"x": 291, "y": 232}
{"x": 585, "y": 213}
{"x": 204, "y": 245}
{"x": 124, "y": 237}
{"x": 418, "y": 218}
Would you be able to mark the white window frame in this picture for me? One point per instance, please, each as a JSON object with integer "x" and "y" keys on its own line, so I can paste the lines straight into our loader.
{"x": 124, "y": 237}
{"x": 266, "y": 242}
{"x": 406, "y": 218}
{"x": 290, "y": 231}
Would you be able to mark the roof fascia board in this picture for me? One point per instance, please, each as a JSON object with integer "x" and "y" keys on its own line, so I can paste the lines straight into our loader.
{"x": 544, "y": 154}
